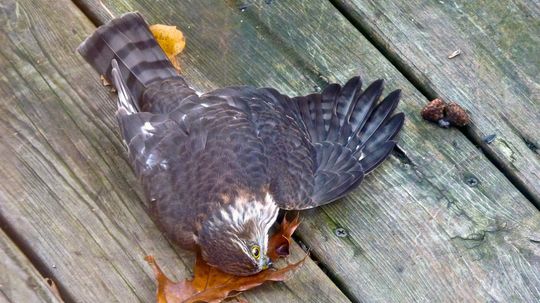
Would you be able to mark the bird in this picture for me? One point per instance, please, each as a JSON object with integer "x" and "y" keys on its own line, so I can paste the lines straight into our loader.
{"x": 217, "y": 167}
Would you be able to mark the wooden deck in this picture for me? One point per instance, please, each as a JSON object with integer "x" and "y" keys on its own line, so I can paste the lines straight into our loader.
{"x": 448, "y": 218}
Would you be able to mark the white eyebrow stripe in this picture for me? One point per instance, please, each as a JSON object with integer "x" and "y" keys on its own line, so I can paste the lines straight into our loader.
{"x": 234, "y": 216}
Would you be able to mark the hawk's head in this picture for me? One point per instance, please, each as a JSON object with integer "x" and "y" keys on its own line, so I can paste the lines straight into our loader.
{"x": 235, "y": 238}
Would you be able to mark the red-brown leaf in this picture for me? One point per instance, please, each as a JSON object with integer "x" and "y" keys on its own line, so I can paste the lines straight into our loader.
{"x": 278, "y": 245}
{"x": 212, "y": 285}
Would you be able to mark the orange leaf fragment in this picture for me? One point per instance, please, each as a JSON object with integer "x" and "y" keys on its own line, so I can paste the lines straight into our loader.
{"x": 278, "y": 244}
{"x": 104, "y": 81}
{"x": 209, "y": 284}
{"x": 222, "y": 285}
{"x": 167, "y": 290}
{"x": 171, "y": 40}
{"x": 54, "y": 289}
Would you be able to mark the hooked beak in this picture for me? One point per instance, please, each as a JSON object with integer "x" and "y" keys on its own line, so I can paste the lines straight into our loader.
{"x": 267, "y": 263}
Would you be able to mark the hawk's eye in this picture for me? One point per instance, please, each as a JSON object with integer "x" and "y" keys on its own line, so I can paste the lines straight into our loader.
{"x": 256, "y": 251}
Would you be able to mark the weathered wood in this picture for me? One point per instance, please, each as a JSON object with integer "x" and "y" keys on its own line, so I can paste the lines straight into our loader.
{"x": 66, "y": 188}
{"x": 436, "y": 223}
{"x": 19, "y": 279}
{"x": 496, "y": 78}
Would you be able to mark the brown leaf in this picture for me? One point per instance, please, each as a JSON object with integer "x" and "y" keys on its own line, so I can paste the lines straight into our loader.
{"x": 233, "y": 285}
{"x": 167, "y": 290}
{"x": 278, "y": 244}
{"x": 54, "y": 289}
{"x": 212, "y": 285}
{"x": 171, "y": 40}
{"x": 108, "y": 84}
{"x": 104, "y": 81}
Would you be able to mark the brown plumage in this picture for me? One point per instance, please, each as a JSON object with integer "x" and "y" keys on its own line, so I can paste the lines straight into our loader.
{"x": 219, "y": 166}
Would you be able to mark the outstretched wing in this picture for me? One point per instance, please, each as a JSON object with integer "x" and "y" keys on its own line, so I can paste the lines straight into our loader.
{"x": 320, "y": 146}
{"x": 352, "y": 134}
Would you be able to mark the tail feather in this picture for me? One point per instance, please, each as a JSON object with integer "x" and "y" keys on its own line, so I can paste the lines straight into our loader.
{"x": 140, "y": 59}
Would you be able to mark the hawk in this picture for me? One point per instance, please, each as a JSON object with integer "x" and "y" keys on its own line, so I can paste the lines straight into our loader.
{"x": 218, "y": 167}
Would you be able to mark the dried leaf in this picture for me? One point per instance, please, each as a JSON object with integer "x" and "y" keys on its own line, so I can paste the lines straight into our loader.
{"x": 104, "y": 81}
{"x": 171, "y": 40}
{"x": 167, "y": 290}
{"x": 278, "y": 245}
{"x": 54, "y": 289}
{"x": 233, "y": 285}
{"x": 107, "y": 84}
{"x": 212, "y": 285}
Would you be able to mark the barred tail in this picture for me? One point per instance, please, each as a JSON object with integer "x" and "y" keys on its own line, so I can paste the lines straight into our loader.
{"x": 140, "y": 59}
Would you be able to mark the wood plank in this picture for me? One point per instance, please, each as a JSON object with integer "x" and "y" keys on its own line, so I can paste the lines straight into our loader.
{"x": 438, "y": 222}
{"x": 67, "y": 190}
{"x": 497, "y": 77}
{"x": 20, "y": 281}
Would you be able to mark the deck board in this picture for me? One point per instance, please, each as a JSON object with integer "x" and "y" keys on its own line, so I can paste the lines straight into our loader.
{"x": 67, "y": 191}
{"x": 20, "y": 281}
{"x": 437, "y": 222}
{"x": 497, "y": 77}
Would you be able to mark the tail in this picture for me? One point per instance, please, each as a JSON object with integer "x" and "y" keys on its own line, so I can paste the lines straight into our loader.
{"x": 140, "y": 59}
{"x": 348, "y": 128}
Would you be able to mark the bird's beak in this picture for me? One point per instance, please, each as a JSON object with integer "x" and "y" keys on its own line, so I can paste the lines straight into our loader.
{"x": 267, "y": 263}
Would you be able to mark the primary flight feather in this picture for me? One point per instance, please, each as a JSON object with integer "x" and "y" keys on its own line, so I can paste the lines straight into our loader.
{"x": 218, "y": 167}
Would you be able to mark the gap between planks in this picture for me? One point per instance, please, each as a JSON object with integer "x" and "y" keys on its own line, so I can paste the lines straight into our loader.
{"x": 425, "y": 89}
{"x": 26, "y": 249}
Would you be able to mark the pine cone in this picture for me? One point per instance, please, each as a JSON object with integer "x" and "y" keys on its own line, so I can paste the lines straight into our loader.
{"x": 456, "y": 115}
{"x": 434, "y": 110}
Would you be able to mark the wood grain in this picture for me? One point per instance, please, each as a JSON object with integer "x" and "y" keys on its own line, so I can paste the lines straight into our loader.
{"x": 19, "y": 279}
{"x": 496, "y": 78}
{"x": 437, "y": 222}
{"x": 67, "y": 191}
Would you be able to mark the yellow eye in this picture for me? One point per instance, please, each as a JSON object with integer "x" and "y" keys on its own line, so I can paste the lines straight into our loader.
{"x": 256, "y": 251}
